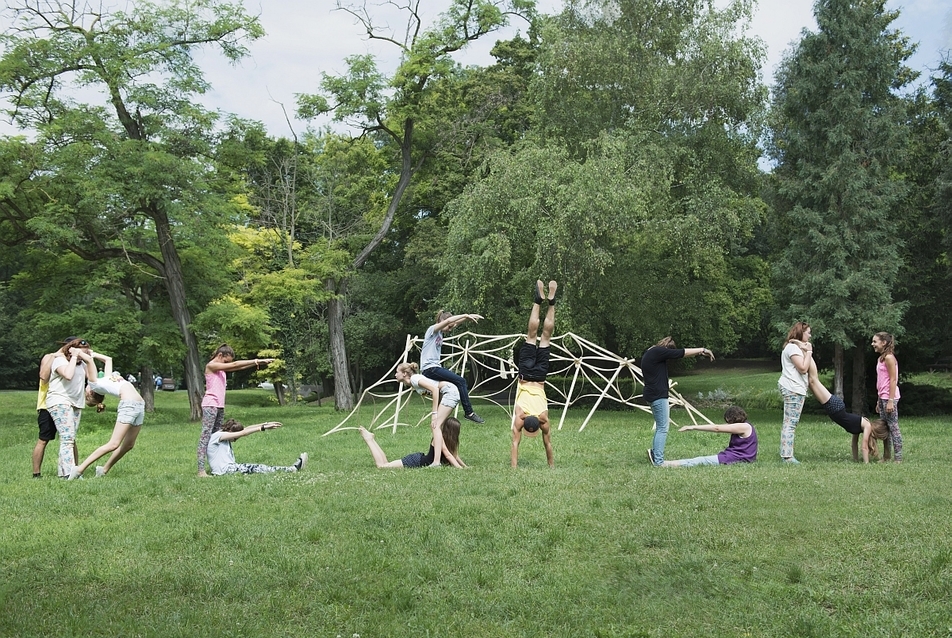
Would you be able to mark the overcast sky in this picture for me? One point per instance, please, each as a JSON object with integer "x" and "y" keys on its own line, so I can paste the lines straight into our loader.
{"x": 307, "y": 37}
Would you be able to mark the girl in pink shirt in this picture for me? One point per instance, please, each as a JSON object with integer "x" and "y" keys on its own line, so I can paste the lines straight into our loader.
{"x": 213, "y": 403}
{"x": 887, "y": 389}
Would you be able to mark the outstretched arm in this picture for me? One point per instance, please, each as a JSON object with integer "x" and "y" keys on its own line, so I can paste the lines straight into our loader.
{"x": 251, "y": 429}
{"x": 106, "y": 362}
{"x": 742, "y": 429}
{"x": 455, "y": 320}
{"x": 693, "y": 352}
{"x": 215, "y": 365}
{"x": 818, "y": 389}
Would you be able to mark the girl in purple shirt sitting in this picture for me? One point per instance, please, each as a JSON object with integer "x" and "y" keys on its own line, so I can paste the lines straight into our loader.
{"x": 741, "y": 449}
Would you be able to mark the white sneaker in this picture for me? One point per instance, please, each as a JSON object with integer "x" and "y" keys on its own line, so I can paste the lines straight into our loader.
{"x": 100, "y": 471}
{"x": 301, "y": 462}
{"x": 74, "y": 474}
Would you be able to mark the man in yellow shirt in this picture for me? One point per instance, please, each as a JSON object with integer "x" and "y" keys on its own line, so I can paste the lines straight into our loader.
{"x": 532, "y": 409}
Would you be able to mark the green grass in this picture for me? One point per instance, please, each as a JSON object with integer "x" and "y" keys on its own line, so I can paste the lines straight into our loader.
{"x": 603, "y": 545}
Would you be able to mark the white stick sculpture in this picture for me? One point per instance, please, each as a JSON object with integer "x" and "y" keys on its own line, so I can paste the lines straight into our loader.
{"x": 485, "y": 361}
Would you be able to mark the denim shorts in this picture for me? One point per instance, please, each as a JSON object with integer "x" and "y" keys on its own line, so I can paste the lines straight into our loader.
{"x": 131, "y": 412}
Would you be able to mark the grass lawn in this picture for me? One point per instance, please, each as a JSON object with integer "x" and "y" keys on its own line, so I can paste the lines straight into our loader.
{"x": 603, "y": 545}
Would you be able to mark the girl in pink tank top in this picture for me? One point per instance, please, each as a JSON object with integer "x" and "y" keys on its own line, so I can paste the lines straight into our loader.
{"x": 213, "y": 403}
{"x": 887, "y": 389}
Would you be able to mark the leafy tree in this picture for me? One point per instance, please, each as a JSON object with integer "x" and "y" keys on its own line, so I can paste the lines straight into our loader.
{"x": 127, "y": 178}
{"x": 925, "y": 279}
{"x": 637, "y": 189}
{"x": 404, "y": 116}
{"x": 837, "y": 136}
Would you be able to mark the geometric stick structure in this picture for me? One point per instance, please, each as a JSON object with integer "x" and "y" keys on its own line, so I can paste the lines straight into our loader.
{"x": 578, "y": 369}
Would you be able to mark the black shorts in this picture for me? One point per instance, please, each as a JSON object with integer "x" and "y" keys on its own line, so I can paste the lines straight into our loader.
{"x": 533, "y": 362}
{"x": 413, "y": 460}
{"x": 836, "y": 409}
{"x": 47, "y": 425}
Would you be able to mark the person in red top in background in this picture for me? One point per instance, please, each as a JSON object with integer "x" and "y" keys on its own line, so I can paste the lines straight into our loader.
{"x": 213, "y": 403}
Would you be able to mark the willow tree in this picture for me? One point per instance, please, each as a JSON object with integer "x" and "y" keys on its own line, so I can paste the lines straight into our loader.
{"x": 118, "y": 168}
{"x": 838, "y": 133}
{"x": 637, "y": 187}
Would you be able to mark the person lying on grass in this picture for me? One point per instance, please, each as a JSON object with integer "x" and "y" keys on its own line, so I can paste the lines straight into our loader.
{"x": 855, "y": 424}
{"x": 450, "y": 431}
{"x": 221, "y": 458}
{"x": 741, "y": 449}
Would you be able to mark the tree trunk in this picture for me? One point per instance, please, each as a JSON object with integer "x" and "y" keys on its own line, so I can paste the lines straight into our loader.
{"x": 838, "y": 370}
{"x": 859, "y": 381}
{"x": 147, "y": 388}
{"x": 175, "y": 285}
{"x": 343, "y": 397}
{"x": 279, "y": 392}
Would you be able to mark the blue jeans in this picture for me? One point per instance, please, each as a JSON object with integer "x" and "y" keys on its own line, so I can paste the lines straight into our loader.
{"x": 700, "y": 460}
{"x": 661, "y": 410}
{"x": 442, "y": 374}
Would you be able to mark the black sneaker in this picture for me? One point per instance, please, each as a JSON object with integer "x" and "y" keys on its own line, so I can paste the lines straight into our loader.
{"x": 651, "y": 457}
{"x": 475, "y": 418}
{"x": 301, "y": 462}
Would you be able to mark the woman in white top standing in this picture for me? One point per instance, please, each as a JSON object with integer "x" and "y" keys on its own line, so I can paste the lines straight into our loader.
{"x": 129, "y": 416}
{"x": 794, "y": 364}
{"x": 71, "y": 368}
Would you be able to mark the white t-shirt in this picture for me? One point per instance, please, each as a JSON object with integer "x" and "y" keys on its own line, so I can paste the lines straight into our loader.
{"x": 792, "y": 379}
{"x": 108, "y": 385}
{"x": 220, "y": 454}
{"x": 67, "y": 391}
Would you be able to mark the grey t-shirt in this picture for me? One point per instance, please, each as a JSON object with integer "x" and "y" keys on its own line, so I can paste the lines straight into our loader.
{"x": 432, "y": 349}
{"x": 220, "y": 454}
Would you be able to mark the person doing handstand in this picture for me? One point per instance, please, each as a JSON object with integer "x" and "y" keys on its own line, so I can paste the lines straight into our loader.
{"x": 450, "y": 430}
{"x": 741, "y": 449}
{"x": 855, "y": 424}
{"x": 531, "y": 413}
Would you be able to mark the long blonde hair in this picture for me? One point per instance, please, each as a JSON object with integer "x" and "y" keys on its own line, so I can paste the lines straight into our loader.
{"x": 450, "y": 430}
{"x": 877, "y": 432}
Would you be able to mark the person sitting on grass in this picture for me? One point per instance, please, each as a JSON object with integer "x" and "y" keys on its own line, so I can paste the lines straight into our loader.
{"x": 450, "y": 431}
{"x": 741, "y": 449}
{"x": 857, "y": 425}
{"x": 221, "y": 458}
{"x": 531, "y": 412}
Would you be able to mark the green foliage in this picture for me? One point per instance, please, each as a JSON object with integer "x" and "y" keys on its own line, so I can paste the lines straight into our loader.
{"x": 837, "y": 135}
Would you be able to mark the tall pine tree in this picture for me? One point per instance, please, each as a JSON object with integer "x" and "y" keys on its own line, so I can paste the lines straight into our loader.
{"x": 837, "y": 133}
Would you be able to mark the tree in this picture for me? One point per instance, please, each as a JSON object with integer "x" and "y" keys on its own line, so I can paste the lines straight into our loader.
{"x": 400, "y": 115}
{"x": 637, "y": 189}
{"x": 837, "y": 136}
{"x": 126, "y": 179}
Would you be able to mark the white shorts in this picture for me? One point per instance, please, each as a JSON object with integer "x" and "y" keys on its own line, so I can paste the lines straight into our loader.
{"x": 449, "y": 395}
{"x": 131, "y": 412}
